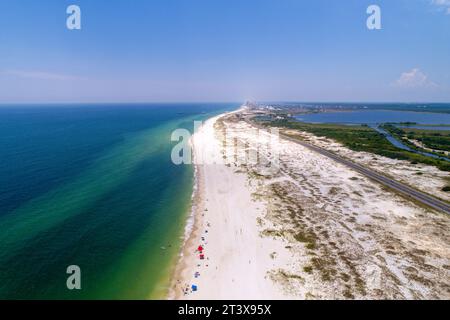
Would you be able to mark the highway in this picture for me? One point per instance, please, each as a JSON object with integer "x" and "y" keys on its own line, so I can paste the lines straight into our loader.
{"x": 401, "y": 188}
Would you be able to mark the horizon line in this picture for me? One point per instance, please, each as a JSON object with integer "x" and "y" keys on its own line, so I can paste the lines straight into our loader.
{"x": 206, "y": 102}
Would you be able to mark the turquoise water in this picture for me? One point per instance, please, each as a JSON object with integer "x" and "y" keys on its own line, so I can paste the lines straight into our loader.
{"x": 93, "y": 186}
{"x": 416, "y": 107}
{"x": 376, "y": 116}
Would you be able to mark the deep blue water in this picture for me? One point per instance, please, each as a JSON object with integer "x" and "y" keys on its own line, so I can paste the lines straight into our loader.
{"x": 375, "y": 117}
{"x": 94, "y": 186}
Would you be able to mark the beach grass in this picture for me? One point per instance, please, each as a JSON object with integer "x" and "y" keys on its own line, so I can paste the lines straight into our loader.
{"x": 360, "y": 138}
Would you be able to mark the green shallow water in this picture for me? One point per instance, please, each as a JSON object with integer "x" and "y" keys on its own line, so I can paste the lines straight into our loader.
{"x": 92, "y": 186}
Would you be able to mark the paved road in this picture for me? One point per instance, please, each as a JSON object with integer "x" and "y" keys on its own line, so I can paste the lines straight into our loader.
{"x": 397, "y": 186}
{"x": 403, "y": 189}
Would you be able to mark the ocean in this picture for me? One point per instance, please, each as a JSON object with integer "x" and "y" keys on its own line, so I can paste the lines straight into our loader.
{"x": 92, "y": 186}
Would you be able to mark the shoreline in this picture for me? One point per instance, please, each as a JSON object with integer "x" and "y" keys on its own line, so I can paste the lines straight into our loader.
{"x": 311, "y": 229}
{"x": 190, "y": 230}
{"x": 235, "y": 259}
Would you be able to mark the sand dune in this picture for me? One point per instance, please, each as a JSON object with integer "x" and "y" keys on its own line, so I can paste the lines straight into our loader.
{"x": 307, "y": 228}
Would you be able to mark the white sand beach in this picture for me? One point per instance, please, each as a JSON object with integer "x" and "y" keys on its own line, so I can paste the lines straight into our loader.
{"x": 236, "y": 259}
{"x": 307, "y": 229}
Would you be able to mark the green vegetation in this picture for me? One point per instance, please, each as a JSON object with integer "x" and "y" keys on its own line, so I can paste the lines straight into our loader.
{"x": 360, "y": 138}
{"x": 433, "y": 139}
{"x": 308, "y": 237}
{"x": 308, "y": 269}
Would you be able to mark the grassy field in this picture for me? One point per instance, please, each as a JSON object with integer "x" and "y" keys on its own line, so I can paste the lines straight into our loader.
{"x": 359, "y": 138}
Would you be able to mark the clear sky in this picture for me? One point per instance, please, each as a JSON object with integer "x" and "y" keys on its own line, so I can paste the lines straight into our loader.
{"x": 224, "y": 50}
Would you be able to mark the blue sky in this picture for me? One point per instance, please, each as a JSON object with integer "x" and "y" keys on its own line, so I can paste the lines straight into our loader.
{"x": 224, "y": 50}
